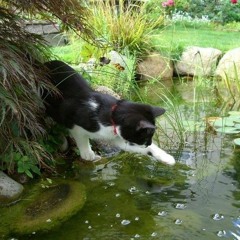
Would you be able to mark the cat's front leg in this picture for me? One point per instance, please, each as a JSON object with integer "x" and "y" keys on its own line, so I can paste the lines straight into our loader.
{"x": 152, "y": 150}
{"x": 83, "y": 144}
{"x": 156, "y": 152}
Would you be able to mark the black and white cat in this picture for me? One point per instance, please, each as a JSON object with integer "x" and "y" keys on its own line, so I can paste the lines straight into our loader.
{"x": 92, "y": 115}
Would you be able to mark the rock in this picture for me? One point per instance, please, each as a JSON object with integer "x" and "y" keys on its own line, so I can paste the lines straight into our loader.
{"x": 198, "y": 61}
{"x": 46, "y": 205}
{"x": 107, "y": 90}
{"x": 118, "y": 59}
{"x": 37, "y": 29}
{"x": 229, "y": 65}
{"x": 155, "y": 66}
{"x": 10, "y": 190}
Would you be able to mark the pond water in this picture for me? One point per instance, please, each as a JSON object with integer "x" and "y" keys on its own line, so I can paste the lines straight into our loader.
{"x": 134, "y": 197}
{"x": 131, "y": 197}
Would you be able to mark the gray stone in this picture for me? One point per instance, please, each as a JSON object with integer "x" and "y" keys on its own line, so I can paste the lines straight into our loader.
{"x": 155, "y": 66}
{"x": 229, "y": 65}
{"x": 198, "y": 61}
{"x": 37, "y": 29}
{"x": 107, "y": 90}
{"x": 50, "y": 28}
{"x": 117, "y": 59}
{"x": 9, "y": 188}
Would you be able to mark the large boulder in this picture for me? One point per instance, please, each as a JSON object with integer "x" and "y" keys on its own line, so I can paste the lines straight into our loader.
{"x": 229, "y": 65}
{"x": 198, "y": 61}
{"x": 155, "y": 66}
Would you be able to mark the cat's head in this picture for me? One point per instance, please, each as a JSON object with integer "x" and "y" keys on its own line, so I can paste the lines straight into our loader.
{"x": 138, "y": 123}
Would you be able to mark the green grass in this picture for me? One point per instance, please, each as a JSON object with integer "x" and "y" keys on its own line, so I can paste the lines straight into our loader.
{"x": 173, "y": 39}
{"x": 170, "y": 41}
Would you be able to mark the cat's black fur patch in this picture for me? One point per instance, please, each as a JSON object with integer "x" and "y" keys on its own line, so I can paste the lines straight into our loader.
{"x": 136, "y": 121}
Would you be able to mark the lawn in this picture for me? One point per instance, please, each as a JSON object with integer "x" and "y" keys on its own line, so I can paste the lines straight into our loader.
{"x": 173, "y": 39}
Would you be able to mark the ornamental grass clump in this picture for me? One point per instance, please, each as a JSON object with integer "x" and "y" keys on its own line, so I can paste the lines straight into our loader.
{"x": 22, "y": 78}
{"x": 21, "y": 107}
{"x": 124, "y": 26}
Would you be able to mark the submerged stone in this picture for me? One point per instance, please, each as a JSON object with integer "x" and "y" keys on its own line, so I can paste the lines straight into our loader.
{"x": 44, "y": 208}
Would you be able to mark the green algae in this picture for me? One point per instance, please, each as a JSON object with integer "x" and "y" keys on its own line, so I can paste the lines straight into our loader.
{"x": 42, "y": 209}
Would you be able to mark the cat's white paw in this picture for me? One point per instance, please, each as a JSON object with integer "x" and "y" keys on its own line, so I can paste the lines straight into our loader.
{"x": 168, "y": 159}
{"x": 161, "y": 155}
{"x": 90, "y": 156}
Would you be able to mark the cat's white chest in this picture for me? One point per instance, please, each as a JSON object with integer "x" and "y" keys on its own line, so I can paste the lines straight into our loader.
{"x": 104, "y": 133}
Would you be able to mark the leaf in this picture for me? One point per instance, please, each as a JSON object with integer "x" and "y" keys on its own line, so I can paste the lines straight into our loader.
{"x": 237, "y": 141}
{"x": 35, "y": 169}
{"x": 29, "y": 173}
{"x": 228, "y": 130}
{"x": 234, "y": 113}
{"x": 219, "y": 123}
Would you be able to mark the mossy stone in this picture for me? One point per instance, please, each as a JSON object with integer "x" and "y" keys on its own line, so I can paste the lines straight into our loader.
{"x": 45, "y": 208}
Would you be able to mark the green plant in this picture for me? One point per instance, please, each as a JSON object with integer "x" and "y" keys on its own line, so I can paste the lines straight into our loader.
{"x": 220, "y": 11}
{"x": 124, "y": 27}
{"x": 118, "y": 79}
{"x": 54, "y": 139}
{"x": 22, "y": 77}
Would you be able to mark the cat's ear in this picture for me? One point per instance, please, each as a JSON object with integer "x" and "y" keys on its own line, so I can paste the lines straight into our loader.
{"x": 145, "y": 124}
{"x": 157, "y": 111}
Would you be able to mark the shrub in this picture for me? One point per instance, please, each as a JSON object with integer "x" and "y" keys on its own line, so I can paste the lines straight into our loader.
{"x": 220, "y": 11}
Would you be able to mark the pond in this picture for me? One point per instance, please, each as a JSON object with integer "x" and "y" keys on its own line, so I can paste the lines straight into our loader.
{"x": 199, "y": 198}
{"x": 134, "y": 197}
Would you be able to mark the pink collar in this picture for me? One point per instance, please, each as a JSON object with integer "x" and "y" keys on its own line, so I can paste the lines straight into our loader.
{"x": 113, "y": 108}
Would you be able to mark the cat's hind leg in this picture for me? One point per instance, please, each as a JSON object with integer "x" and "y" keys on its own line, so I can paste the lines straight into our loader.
{"x": 82, "y": 141}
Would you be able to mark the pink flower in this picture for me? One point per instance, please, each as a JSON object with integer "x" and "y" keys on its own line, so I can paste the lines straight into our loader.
{"x": 168, "y": 3}
{"x": 171, "y": 2}
{"x": 234, "y": 1}
{"x": 164, "y": 4}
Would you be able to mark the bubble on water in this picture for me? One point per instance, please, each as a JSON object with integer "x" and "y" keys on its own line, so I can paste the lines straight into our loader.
{"x": 154, "y": 234}
{"x": 86, "y": 221}
{"x": 136, "y": 218}
{"x": 180, "y": 206}
{"x": 147, "y": 192}
{"x": 125, "y": 222}
{"x": 221, "y": 233}
{"x": 118, "y": 215}
{"x": 137, "y": 236}
{"x": 132, "y": 189}
{"x": 89, "y": 227}
{"x": 162, "y": 213}
{"x": 117, "y": 194}
{"x": 217, "y": 217}
{"x": 178, "y": 221}
{"x": 99, "y": 214}
{"x": 111, "y": 184}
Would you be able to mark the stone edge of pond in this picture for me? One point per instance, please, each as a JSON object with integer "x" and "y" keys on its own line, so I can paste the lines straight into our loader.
{"x": 21, "y": 223}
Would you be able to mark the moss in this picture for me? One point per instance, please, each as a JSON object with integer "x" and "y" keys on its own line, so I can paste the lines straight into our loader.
{"x": 44, "y": 208}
